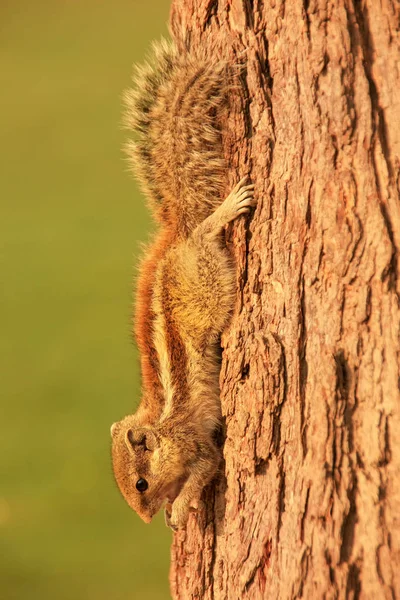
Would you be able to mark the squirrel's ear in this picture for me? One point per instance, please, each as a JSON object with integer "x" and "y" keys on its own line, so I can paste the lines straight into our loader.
{"x": 113, "y": 429}
{"x": 141, "y": 437}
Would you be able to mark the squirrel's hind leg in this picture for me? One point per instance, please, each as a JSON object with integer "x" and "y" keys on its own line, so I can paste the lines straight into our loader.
{"x": 201, "y": 272}
{"x": 201, "y": 288}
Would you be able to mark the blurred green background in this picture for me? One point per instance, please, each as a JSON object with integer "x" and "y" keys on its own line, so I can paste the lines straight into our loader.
{"x": 70, "y": 221}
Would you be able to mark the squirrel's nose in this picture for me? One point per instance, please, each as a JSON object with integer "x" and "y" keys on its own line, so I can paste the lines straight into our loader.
{"x": 146, "y": 517}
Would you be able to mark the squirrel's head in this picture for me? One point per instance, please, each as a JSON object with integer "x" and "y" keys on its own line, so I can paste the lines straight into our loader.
{"x": 146, "y": 467}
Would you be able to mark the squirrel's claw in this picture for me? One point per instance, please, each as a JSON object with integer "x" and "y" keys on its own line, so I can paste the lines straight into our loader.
{"x": 167, "y": 517}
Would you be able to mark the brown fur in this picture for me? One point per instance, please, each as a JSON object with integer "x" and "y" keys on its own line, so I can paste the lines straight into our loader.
{"x": 185, "y": 291}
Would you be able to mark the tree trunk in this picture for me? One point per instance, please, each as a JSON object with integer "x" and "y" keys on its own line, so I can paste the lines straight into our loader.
{"x": 308, "y": 503}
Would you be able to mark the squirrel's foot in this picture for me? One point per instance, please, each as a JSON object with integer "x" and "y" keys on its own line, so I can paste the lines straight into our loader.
{"x": 176, "y": 515}
{"x": 177, "y": 518}
{"x": 239, "y": 202}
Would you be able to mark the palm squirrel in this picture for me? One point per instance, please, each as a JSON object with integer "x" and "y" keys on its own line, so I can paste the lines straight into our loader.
{"x": 166, "y": 452}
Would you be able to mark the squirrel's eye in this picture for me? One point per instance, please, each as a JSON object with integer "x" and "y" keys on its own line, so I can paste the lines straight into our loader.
{"x": 141, "y": 485}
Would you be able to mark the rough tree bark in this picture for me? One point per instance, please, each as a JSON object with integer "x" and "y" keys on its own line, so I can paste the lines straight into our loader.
{"x": 308, "y": 505}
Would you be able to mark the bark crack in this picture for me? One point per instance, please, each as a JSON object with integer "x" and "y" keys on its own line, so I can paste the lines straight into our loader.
{"x": 368, "y": 47}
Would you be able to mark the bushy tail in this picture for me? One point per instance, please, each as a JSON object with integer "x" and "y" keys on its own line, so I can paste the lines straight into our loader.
{"x": 177, "y": 155}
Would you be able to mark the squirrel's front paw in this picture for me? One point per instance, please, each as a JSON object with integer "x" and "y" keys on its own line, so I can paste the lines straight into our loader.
{"x": 177, "y": 514}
